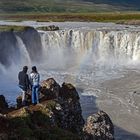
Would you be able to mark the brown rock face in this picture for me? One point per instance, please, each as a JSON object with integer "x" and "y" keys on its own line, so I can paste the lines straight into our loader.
{"x": 49, "y": 89}
{"x": 99, "y": 127}
{"x": 68, "y": 92}
{"x": 67, "y": 113}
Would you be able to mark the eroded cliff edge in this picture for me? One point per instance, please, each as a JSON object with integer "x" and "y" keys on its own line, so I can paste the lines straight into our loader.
{"x": 58, "y": 116}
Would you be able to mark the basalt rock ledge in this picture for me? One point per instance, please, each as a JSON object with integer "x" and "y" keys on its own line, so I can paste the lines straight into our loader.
{"x": 58, "y": 116}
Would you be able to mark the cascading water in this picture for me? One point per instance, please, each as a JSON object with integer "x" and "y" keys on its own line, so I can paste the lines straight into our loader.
{"x": 91, "y": 59}
{"x": 104, "y": 48}
{"x": 25, "y": 58}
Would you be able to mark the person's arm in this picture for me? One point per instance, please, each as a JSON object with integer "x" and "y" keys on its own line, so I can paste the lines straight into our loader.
{"x": 19, "y": 76}
{"x": 27, "y": 82}
{"x": 38, "y": 78}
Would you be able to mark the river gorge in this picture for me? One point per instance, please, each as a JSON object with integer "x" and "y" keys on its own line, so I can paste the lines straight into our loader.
{"x": 101, "y": 59}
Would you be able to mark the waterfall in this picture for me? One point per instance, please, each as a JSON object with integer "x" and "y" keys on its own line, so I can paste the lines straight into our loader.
{"x": 19, "y": 49}
{"x": 13, "y": 55}
{"x": 98, "y": 46}
{"x": 65, "y": 48}
{"x": 24, "y": 55}
{"x": 70, "y": 47}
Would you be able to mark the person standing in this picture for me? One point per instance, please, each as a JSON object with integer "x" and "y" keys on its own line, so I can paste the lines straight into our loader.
{"x": 34, "y": 80}
{"x": 24, "y": 83}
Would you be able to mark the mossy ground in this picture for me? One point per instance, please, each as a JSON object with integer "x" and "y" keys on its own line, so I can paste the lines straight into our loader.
{"x": 33, "y": 123}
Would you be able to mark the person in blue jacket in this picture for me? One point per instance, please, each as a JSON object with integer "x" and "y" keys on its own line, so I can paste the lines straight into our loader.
{"x": 35, "y": 80}
{"x": 24, "y": 83}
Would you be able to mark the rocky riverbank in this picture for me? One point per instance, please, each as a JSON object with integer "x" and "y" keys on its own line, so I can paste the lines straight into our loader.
{"x": 58, "y": 116}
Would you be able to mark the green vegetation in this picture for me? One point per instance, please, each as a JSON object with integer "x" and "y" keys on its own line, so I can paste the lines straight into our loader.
{"x": 13, "y": 28}
{"x": 37, "y": 126}
{"x": 87, "y": 17}
{"x": 61, "y": 6}
{"x": 34, "y": 123}
{"x": 70, "y": 10}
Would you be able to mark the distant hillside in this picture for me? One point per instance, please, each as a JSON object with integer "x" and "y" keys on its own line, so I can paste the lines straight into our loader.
{"x": 131, "y": 3}
{"x": 78, "y": 6}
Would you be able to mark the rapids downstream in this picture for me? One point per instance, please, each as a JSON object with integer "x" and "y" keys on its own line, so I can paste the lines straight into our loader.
{"x": 101, "y": 59}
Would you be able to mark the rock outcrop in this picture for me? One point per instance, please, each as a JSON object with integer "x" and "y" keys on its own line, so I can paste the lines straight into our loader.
{"x": 49, "y": 28}
{"x": 69, "y": 109}
{"x": 57, "y": 116}
{"x": 66, "y": 113}
{"x": 50, "y": 89}
{"x": 99, "y": 127}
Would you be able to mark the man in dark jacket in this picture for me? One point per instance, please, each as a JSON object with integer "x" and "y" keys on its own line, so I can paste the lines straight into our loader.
{"x": 23, "y": 82}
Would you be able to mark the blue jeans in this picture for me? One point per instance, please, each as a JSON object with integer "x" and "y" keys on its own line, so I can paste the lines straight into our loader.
{"x": 35, "y": 94}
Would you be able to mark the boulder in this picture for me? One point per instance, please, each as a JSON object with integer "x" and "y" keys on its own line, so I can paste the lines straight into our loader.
{"x": 69, "y": 113}
{"x": 49, "y": 89}
{"x": 68, "y": 116}
{"x": 68, "y": 92}
{"x": 99, "y": 127}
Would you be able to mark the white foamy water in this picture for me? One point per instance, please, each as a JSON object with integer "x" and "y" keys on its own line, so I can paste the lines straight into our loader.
{"x": 100, "y": 59}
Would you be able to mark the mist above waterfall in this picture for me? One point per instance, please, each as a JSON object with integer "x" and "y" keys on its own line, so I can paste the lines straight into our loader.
{"x": 69, "y": 49}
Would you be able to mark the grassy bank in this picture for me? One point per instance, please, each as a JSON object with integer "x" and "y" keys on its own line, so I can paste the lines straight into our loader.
{"x": 93, "y": 17}
{"x": 12, "y": 28}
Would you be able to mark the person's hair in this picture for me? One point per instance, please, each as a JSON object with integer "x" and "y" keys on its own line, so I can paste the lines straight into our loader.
{"x": 34, "y": 69}
{"x": 25, "y": 68}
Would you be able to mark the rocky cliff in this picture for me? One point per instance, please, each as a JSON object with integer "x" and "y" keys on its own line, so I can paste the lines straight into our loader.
{"x": 58, "y": 116}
